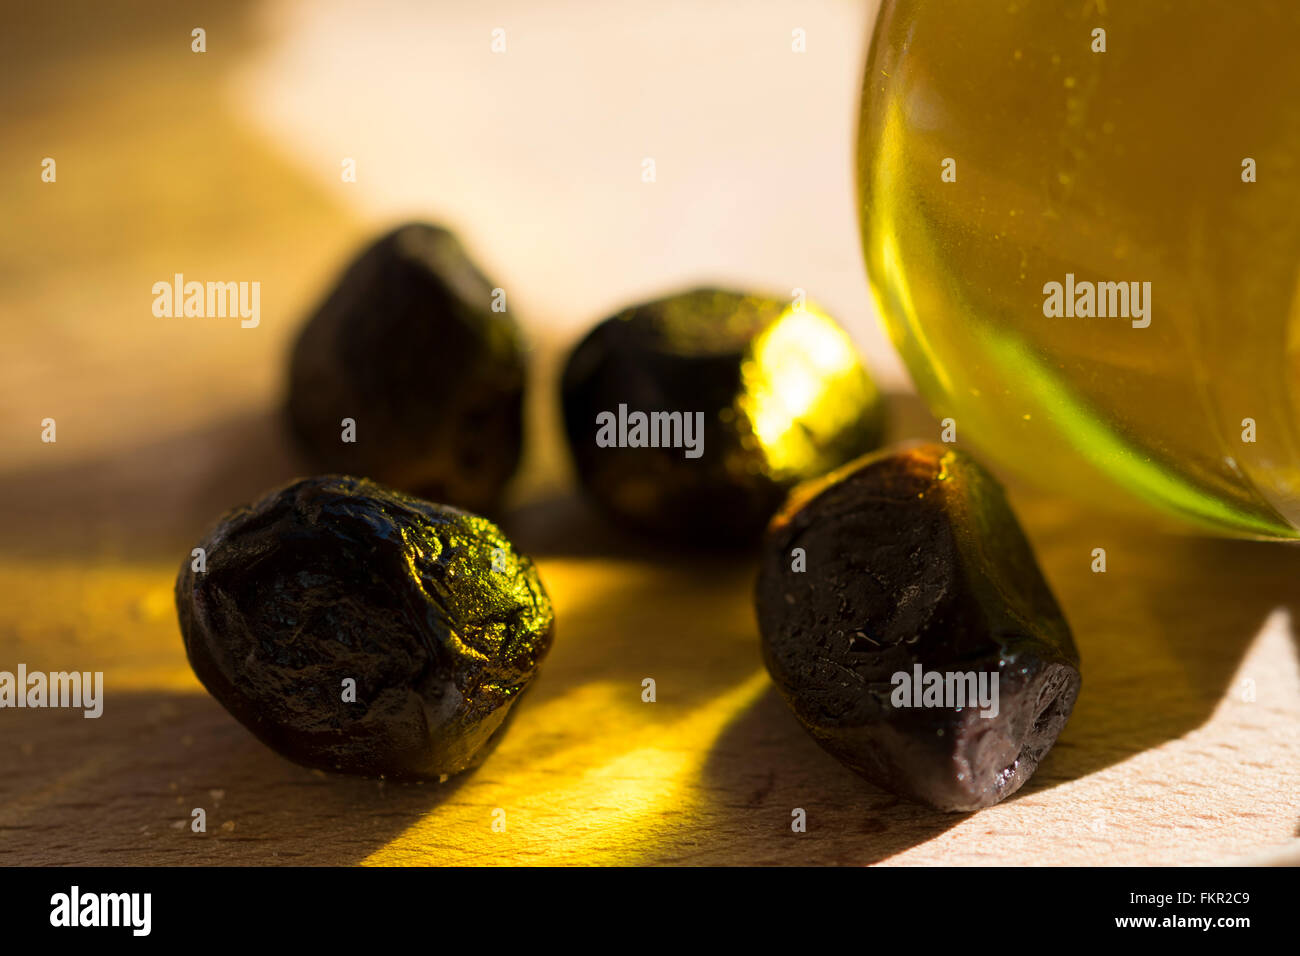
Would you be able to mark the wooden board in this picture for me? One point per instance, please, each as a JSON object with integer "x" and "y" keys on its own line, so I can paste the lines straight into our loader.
{"x": 1184, "y": 746}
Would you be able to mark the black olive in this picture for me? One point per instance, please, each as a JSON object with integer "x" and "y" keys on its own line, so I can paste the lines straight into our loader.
{"x": 765, "y": 394}
{"x": 916, "y": 565}
{"x": 430, "y": 613}
{"x": 409, "y": 348}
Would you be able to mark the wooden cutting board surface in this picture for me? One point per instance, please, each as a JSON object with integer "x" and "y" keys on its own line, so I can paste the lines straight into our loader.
{"x": 1184, "y": 746}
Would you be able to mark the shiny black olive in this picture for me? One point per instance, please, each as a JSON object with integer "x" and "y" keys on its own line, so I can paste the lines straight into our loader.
{"x": 689, "y": 417}
{"x": 358, "y": 629}
{"x": 411, "y": 350}
{"x": 905, "y": 621}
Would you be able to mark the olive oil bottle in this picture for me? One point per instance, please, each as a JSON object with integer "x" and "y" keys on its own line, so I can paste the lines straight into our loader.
{"x": 1081, "y": 223}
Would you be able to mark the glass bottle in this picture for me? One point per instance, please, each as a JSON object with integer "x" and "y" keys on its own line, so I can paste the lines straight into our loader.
{"x": 1007, "y": 146}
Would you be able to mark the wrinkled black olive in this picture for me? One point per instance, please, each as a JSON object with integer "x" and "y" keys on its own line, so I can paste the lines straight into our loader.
{"x": 914, "y": 560}
{"x": 773, "y": 394}
{"x": 409, "y": 348}
{"x": 428, "y": 609}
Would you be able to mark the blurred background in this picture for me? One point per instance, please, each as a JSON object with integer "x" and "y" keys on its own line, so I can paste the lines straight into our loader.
{"x": 226, "y": 165}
